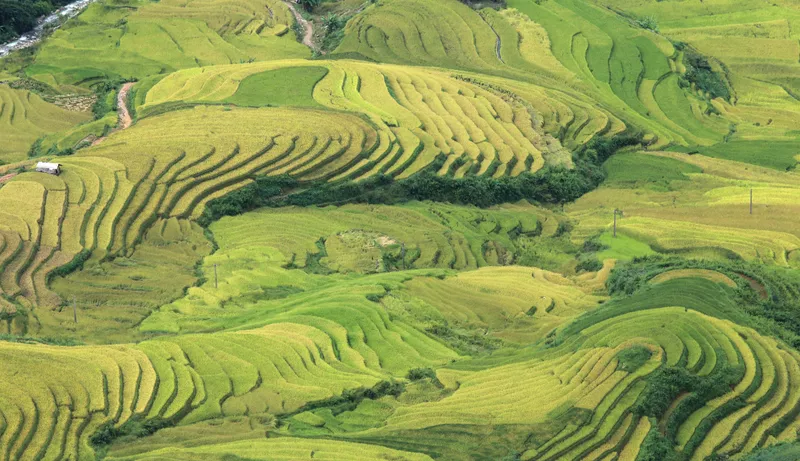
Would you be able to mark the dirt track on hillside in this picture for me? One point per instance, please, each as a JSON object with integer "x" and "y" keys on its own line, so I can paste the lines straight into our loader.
{"x": 123, "y": 114}
{"x": 308, "y": 36}
{"x": 125, "y": 119}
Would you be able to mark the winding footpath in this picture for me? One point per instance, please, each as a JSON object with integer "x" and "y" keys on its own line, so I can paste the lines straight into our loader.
{"x": 308, "y": 36}
{"x": 124, "y": 114}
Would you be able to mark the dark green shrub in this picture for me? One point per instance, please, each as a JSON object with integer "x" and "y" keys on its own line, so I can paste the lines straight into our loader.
{"x": 632, "y": 358}
{"x": 76, "y": 264}
{"x": 589, "y": 264}
{"x": 702, "y": 75}
{"x": 134, "y": 428}
{"x": 416, "y": 374}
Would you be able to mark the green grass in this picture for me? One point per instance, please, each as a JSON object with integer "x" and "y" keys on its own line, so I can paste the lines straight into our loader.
{"x": 292, "y": 86}
{"x": 778, "y": 155}
{"x": 622, "y": 247}
{"x": 638, "y": 170}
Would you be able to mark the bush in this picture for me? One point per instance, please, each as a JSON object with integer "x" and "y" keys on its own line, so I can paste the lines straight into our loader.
{"x": 134, "y": 428}
{"x": 632, "y": 358}
{"x": 648, "y": 22}
{"x": 655, "y": 446}
{"x": 70, "y": 267}
{"x": 416, "y": 374}
{"x": 52, "y": 341}
{"x": 700, "y": 73}
{"x": 589, "y": 264}
{"x": 309, "y": 4}
{"x": 105, "y": 90}
{"x": 667, "y": 383}
{"x": 334, "y": 31}
{"x": 250, "y": 197}
{"x": 350, "y": 398}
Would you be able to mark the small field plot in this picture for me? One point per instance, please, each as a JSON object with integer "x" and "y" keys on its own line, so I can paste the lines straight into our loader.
{"x": 292, "y": 86}
{"x": 643, "y": 170}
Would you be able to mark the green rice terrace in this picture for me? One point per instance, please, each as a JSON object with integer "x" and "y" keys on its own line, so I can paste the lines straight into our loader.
{"x": 500, "y": 230}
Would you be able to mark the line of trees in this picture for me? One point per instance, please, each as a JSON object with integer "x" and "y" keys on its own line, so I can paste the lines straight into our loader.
{"x": 552, "y": 185}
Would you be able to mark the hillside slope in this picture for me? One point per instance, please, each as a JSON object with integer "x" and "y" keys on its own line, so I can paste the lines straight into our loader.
{"x": 528, "y": 230}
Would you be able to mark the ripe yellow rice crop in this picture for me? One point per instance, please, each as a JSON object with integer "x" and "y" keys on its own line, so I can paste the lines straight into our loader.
{"x": 24, "y": 117}
{"x": 765, "y": 246}
{"x": 714, "y": 276}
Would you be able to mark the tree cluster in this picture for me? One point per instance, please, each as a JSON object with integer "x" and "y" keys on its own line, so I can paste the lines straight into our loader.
{"x": 550, "y": 185}
{"x": 20, "y": 16}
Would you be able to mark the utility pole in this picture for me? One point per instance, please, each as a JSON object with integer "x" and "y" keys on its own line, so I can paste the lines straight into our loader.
{"x": 615, "y": 223}
{"x": 74, "y": 310}
{"x": 751, "y": 200}
{"x": 216, "y": 281}
{"x": 403, "y": 254}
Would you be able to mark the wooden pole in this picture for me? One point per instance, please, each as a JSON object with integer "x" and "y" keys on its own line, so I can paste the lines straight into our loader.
{"x": 74, "y": 310}
{"x": 615, "y": 223}
{"x": 751, "y": 201}
{"x": 216, "y": 281}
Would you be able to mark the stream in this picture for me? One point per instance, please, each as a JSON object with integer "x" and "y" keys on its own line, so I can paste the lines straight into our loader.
{"x": 56, "y": 18}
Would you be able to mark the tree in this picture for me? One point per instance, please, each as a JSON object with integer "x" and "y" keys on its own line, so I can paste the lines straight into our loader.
{"x": 309, "y": 4}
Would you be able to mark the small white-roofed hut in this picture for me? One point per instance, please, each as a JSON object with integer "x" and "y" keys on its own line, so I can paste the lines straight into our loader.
{"x": 49, "y": 168}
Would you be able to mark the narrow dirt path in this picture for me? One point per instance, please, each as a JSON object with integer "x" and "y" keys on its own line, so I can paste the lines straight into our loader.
{"x": 125, "y": 119}
{"x": 6, "y": 177}
{"x": 123, "y": 114}
{"x": 308, "y": 36}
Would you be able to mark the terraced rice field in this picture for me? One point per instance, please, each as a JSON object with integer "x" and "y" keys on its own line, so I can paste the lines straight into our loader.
{"x": 707, "y": 215}
{"x": 653, "y": 318}
{"x": 137, "y": 39}
{"x": 105, "y": 206}
{"x": 420, "y": 115}
{"x": 24, "y": 117}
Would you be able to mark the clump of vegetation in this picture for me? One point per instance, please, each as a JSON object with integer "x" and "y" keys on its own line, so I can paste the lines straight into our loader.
{"x": 467, "y": 342}
{"x": 106, "y": 93}
{"x": 700, "y": 74}
{"x": 648, "y": 22}
{"x": 18, "y": 16}
{"x": 75, "y": 264}
{"x": 350, "y": 398}
{"x": 309, "y": 5}
{"x": 632, "y": 358}
{"x": 548, "y": 185}
{"x": 52, "y": 341}
{"x": 334, "y": 30}
{"x": 134, "y": 428}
